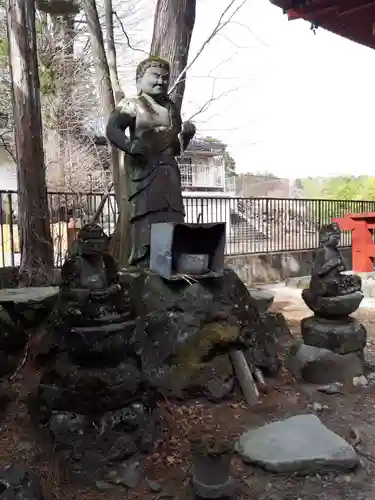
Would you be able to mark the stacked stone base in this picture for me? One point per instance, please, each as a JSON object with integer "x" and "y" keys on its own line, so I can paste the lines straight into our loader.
{"x": 333, "y": 342}
{"x": 342, "y": 336}
{"x": 338, "y": 344}
{"x": 95, "y": 409}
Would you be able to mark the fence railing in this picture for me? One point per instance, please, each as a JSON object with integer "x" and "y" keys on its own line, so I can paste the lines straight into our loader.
{"x": 254, "y": 225}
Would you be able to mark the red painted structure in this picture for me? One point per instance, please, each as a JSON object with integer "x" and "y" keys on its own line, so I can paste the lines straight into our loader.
{"x": 363, "y": 248}
{"x": 352, "y": 19}
{"x": 355, "y": 20}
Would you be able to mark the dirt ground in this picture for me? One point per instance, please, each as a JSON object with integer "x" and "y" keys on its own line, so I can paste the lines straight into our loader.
{"x": 350, "y": 415}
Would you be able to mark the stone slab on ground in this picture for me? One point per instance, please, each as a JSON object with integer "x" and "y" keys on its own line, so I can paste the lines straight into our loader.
{"x": 28, "y": 294}
{"x": 300, "y": 444}
{"x": 316, "y": 365}
{"x": 300, "y": 282}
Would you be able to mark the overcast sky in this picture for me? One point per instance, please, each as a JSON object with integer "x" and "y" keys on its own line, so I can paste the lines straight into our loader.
{"x": 296, "y": 104}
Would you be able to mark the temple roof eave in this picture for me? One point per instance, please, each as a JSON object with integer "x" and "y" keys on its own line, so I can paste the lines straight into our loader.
{"x": 351, "y": 19}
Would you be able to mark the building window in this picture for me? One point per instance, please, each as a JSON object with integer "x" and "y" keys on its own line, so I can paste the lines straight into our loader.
{"x": 186, "y": 172}
{"x": 218, "y": 161}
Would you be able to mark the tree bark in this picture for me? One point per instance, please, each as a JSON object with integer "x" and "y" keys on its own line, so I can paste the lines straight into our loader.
{"x": 111, "y": 52}
{"x": 120, "y": 240}
{"x": 61, "y": 124}
{"x": 173, "y": 28}
{"x": 35, "y": 233}
{"x": 63, "y": 51}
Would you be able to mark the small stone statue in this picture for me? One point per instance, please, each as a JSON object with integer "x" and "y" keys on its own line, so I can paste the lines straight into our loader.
{"x": 157, "y": 136}
{"x": 89, "y": 275}
{"x": 333, "y": 341}
{"x": 327, "y": 279}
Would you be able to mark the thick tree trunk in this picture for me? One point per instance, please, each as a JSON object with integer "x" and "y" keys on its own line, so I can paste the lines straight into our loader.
{"x": 36, "y": 242}
{"x": 120, "y": 240}
{"x": 173, "y": 28}
{"x": 111, "y": 52}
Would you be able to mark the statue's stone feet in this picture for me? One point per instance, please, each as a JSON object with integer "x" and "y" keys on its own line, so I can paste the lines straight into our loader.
{"x": 331, "y": 307}
{"x": 101, "y": 340}
{"x": 315, "y": 365}
{"x": 88, "y": 389}
{"x": 338, "y": 335}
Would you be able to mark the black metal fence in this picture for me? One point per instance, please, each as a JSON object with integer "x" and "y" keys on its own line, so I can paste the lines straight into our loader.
{"x": 254, "y": 225}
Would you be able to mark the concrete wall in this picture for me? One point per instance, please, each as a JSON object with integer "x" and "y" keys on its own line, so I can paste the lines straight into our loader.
{"x": 8, "y": 171}
{"x": 251, "y": 268}
{"x": 272, "y": 268}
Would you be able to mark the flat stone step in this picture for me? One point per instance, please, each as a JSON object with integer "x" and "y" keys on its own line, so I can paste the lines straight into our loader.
{"x": 300, "y": 444}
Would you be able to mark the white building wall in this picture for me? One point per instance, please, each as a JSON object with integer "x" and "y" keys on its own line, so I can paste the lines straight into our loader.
{"x": 208, "y": 208}
{"x": 8, "y": 172}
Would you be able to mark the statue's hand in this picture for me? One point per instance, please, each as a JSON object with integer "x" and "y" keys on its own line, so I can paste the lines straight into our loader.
{"x": 188, "y": 129}
{"x": 138, "y": 148}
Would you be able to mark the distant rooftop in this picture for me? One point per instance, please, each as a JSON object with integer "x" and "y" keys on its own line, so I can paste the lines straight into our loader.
{"x": 201, "y": 144}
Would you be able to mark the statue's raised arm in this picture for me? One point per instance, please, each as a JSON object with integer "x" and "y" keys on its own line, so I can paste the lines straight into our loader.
{"x": 121, "y": 119}
{"x": 156, "y": 136}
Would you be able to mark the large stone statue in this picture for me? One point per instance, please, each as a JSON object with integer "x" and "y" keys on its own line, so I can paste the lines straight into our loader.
{"x": 326, "y": 277}
{"x": 156, "y": 137}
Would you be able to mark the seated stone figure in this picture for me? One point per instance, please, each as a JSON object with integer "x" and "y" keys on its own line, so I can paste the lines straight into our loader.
{"x": 327, "y": 279}
{"x": 90, "y": 292}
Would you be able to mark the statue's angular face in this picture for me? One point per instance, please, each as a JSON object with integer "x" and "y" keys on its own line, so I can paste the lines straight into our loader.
{"x": 330, "y": 235}
{"x": 93, "y": 246}
{"x": 155, "y": 81}
{"x": 92, "y": 240}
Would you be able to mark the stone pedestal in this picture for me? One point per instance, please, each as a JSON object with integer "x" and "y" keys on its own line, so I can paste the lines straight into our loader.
{"x": 334, "y": 342}
{"x": 342, "y": 336}
{"x": 97, "y": 394}
{"x": 91, "y": 399}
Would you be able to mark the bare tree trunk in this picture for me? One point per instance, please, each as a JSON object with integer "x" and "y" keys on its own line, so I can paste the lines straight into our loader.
{"x": 120, "y": 240}
{"x": 111, "y": 51}
{"x": 62, "y": 50}
{"x": 173, "y": 28}
{"x": 36, "y": 243}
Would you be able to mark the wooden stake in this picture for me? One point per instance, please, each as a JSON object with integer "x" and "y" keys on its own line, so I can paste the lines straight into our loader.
{"x": 244, "y": 377}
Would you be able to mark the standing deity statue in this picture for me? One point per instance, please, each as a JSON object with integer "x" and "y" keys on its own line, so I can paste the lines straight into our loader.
{"x": 156, "y": 136}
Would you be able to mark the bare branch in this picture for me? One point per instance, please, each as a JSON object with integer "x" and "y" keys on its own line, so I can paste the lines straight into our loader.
{"x": 219, "y": 26}
{"x": 213, "y": 98}
{"x": 126, "y": 35}
{"x": 111, "y": 52}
